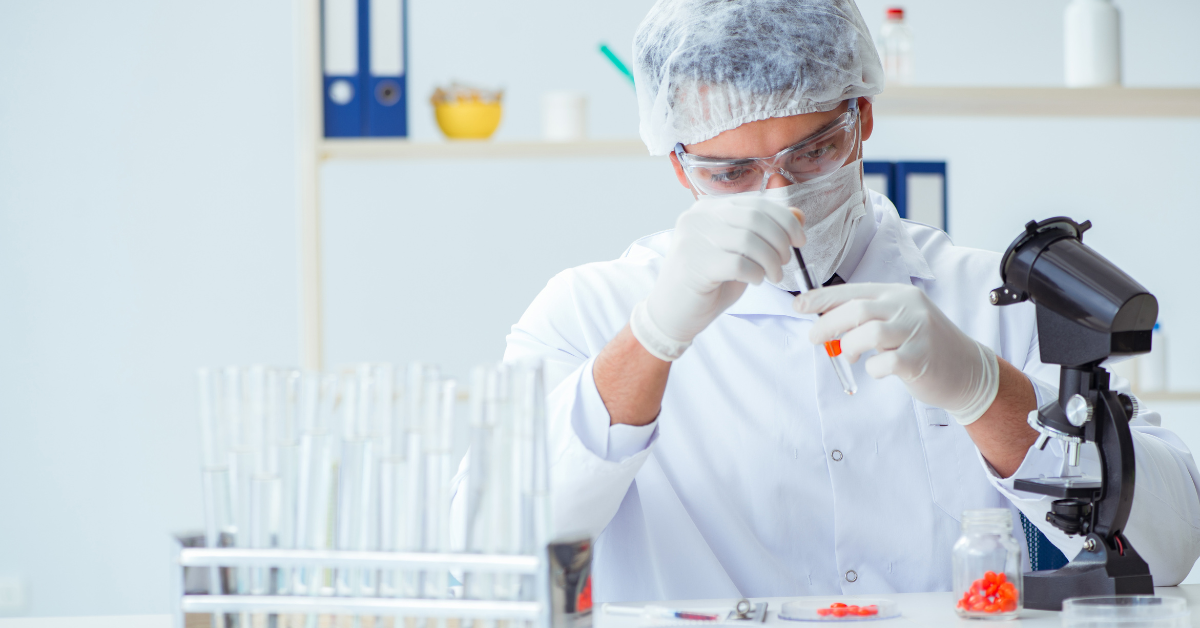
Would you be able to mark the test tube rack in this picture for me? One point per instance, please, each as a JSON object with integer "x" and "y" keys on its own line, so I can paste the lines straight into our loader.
{"x": 560, "y": 574}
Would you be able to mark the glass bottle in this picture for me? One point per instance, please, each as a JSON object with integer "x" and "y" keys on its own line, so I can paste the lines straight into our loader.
{"x": 987, "y": 566}
{"x": 895, "y": 44}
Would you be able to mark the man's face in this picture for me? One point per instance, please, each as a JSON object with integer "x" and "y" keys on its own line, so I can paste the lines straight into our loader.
{"x": 765, "y": 138}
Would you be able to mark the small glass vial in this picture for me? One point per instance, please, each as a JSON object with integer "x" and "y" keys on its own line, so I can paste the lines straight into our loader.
{"x": 895, "y": 44}
{"x": 987, "y": 566}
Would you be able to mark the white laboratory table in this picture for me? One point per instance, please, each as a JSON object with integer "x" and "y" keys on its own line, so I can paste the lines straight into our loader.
{"x": 933, "y": 610}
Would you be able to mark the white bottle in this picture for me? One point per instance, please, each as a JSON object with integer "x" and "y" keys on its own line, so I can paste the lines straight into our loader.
{"x": 1152, "y": 367}
{"x": 895, "y": 44}
{"x": 1092, "y": 44}
{"x": 564, "y": 116}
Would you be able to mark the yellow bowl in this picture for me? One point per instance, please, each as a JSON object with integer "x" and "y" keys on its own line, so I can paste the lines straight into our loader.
{"x": 467, "y": 119}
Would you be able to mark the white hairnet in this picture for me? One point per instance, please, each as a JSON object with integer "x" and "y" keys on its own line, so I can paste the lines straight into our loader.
{"x": 706, "y": 66}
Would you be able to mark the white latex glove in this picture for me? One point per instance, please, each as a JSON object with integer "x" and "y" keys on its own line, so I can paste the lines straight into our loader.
{"x": 719, "y": 245}
{"x": 938, "y": 363}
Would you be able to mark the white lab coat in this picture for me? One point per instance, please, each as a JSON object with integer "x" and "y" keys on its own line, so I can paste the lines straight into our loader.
{"x": 760, "y": 477}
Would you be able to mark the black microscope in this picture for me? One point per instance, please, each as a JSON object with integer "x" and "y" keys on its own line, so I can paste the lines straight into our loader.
{"x": 1087, "y": 310}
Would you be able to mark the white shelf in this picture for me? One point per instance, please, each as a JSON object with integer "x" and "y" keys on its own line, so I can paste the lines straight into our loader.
{"x": 895, "y": 101}
{"x": 476, "y": 149}
{"x": 1038, "y": 101}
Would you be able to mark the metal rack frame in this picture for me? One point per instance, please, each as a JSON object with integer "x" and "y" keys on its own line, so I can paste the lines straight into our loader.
{"x": 548, "y": 610}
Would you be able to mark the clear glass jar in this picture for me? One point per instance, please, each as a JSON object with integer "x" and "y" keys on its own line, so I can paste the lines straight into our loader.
{"x": 987, "y": 566}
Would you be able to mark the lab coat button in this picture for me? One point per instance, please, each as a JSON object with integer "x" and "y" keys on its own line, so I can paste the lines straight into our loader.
{"x": 837, "y": 457}
{"x": 851, "y": 576}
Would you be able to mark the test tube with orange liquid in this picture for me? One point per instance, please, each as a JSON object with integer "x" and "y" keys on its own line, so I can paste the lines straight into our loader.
{"x": 833, "y": 348}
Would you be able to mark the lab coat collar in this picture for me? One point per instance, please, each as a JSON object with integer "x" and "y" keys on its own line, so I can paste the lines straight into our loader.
{"x": 891, "y": 257}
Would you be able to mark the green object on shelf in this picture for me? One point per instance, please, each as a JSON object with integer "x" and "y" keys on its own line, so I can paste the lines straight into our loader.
{"x": 616, "y": 61}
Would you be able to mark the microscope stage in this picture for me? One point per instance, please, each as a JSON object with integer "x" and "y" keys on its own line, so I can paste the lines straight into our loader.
{"x": 1063, "y": 488}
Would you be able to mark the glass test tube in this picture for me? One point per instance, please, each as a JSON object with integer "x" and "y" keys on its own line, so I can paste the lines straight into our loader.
{"x": 349, "y": 478}
{"x": 241, "y": 467}
{"x": 539, "y": 522}
{"x": 393, "y": 479}
{"x": 505, "y": 459}
{"x": 307, "y": 400}
{"x": 214, "y": 449}
{"x": 218, "y": 516}
{"x": 286, "y": 438}
{"x": 367, "y": 534}
{"x": 413, "y": 510}
{"x": 525, "y": 391}
{"x": 480, "y": 482}
{"x": 534, "y": 403}
{"x": 355, "y": 480}
{"x": 319, "y": 474}
{"x": 833, "y": 348}
{"x": 439, "y": 435}
{"x": 265, "y": 391}
{"x": 841, "y": 366}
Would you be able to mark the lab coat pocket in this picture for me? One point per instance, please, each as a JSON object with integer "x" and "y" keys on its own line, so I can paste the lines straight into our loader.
{"x": 956, "y": 479}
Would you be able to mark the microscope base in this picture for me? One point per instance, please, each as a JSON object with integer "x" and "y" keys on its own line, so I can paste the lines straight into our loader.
{"x": 1091, "y": 573}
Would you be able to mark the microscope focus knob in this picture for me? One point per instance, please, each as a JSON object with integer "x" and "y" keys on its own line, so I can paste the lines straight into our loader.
{"x": 1079, "y": 410}
{"x": 1132, "y": 406}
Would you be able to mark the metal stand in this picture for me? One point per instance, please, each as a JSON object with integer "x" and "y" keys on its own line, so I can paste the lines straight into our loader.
{"x": 560, "y": 597}
{"x": 1108, "y": 564}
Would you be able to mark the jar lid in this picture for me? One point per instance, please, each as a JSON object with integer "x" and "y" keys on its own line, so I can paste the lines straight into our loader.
{"x": 988, "y": 518}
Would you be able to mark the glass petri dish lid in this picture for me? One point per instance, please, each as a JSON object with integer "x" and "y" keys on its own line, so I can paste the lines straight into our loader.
{"x": 1141, "y": 611}
{"x": 839, "y": 609}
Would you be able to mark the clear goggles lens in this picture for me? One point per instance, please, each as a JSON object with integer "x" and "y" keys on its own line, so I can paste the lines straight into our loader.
{"x": 817, "y": 156}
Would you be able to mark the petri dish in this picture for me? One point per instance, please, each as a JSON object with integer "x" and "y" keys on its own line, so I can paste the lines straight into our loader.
{"x": 824, "y": 609}
{"x": 1143, "y": 611}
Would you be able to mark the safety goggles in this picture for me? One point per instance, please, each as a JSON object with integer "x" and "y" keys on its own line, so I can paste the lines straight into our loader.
{"x": 819, "y": 155}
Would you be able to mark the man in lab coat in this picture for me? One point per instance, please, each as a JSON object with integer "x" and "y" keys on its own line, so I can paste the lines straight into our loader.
{"x": 700, "y": 433}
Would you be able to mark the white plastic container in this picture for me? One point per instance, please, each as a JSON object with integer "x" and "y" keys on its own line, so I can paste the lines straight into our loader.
{"x": 1092, "y": 44}
{"x": 564, "y": 116}
{"x": 895, "y": 45}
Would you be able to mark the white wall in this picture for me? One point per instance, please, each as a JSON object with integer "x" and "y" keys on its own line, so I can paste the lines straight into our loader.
{"x": 442, "y": 270}
{"x": 146, "y": 228}
{"x": 147, "y": 224}
{"x": 1003, "y": 172}
{"x": 538, "y": 45}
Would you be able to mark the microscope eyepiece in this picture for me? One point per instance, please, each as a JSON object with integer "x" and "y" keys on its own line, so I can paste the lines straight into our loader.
{"x": 1103, "y": 311}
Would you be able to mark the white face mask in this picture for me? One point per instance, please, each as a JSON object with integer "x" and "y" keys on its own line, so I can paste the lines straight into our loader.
{"x": 832, "y": 208}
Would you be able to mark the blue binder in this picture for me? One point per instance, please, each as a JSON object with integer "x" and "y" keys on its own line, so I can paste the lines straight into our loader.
{"x": 364, "y": 52}
{"x": 342, "y": 39}
{"x": 913, "y": 199}
{"x": 886, "y": 170}
{"x": 925, "y": 201}
{"x": 387, "y": 98}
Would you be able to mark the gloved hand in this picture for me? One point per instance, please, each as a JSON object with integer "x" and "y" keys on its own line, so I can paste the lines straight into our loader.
{"x": 938, "y": 363}
{"x": 719, "y": 245}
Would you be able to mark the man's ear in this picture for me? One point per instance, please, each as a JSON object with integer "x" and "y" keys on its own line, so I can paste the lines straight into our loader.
{"x": 683, "y": 180}
{"x": 866, "y": 118}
